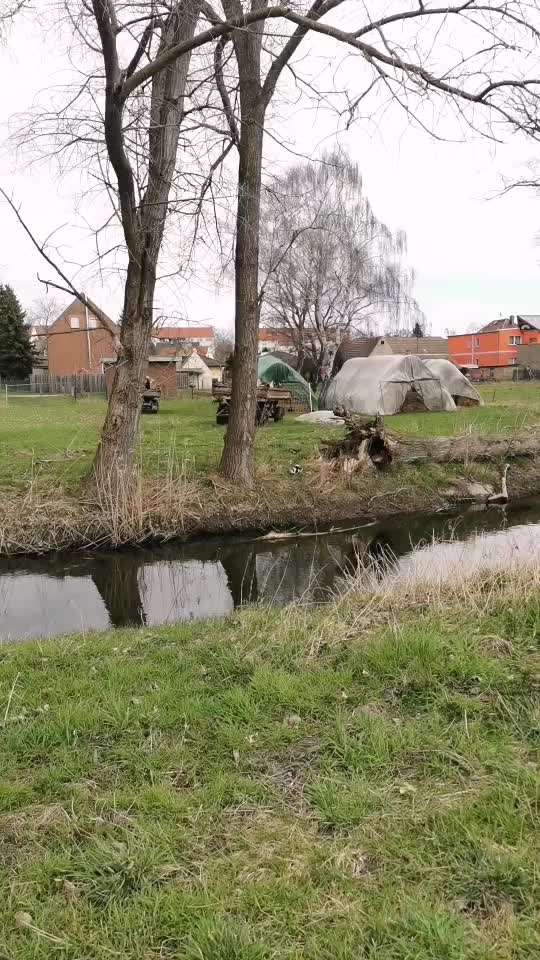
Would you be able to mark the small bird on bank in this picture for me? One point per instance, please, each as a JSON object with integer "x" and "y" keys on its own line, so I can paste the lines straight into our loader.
{"x": 502, "y": 497}
{"x": 296, "y": 470}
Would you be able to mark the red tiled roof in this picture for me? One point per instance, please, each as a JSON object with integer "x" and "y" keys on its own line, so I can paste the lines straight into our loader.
{"x": 183, "y": 333}
{"x": 267, "y": 335}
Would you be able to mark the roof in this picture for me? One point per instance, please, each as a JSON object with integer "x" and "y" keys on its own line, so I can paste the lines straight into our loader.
{"x": 364, "y": 346}
{"x": 436, "y": 347}
{"x": 212, "y": 362}
{"x": 183, "y": 333}
{"x": 520, "y": 321}
{"x": 530, "y": 319}
{"x": 361, "y": 347}
{"x": 502, "y": 324}
{"x": 270, "y": 334}
{"x": 97, "y": 310}
{"x": 38, "y": 329}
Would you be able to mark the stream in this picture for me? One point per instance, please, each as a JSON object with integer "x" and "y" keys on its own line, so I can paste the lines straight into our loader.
{"x": 78, "y": 592}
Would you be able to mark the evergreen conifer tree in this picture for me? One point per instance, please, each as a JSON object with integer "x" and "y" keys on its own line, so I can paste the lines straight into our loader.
{"x": 17, "y": 354}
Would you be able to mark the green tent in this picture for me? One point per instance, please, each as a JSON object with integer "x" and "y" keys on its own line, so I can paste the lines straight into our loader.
{"x": 271, "y": 369}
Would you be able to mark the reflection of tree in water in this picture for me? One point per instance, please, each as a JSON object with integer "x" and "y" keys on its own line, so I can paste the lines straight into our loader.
{"x": 117, "y": 580}
{"x": 376, "y": 556}
{"x": 241, "y": 571}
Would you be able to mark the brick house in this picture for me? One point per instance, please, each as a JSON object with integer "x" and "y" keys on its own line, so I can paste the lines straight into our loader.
{"x": 161, "y": 370}
{"x": 271, "y": 339}
{"x": 183, "y": 339}
{"x": 493, "y": 350}
{"x": 77, "y": 342}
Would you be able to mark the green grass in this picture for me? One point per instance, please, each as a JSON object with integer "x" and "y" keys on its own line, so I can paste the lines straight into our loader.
{"x": 52, "y": 440}
{"x": 285, "y": 784}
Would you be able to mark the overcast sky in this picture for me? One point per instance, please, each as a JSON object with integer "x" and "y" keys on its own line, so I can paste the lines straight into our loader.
{"x": 475, "y": 253}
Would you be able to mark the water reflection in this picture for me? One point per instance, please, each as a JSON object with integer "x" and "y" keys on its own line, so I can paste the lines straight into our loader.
{"x": 77, "y": 592}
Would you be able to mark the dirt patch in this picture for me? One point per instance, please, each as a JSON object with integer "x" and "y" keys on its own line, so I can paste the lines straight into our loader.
{"x": 33, "y": 820}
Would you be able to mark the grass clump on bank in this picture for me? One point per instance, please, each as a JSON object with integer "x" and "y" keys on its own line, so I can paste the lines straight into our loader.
{"x": 358, "y": 781}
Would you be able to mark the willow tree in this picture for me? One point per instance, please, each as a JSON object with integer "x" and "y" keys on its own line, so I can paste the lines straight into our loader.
{"x": 331, "y": 267}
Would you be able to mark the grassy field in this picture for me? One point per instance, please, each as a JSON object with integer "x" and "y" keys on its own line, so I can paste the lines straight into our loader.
{"x": 53, "y": 440}
{"x": 294, "y": 785}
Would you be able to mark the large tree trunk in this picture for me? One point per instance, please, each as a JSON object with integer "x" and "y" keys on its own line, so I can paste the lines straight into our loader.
{"x": 112, "y": 470}
{"x": 143, "y": 223}
{"x": 237, "y": 460}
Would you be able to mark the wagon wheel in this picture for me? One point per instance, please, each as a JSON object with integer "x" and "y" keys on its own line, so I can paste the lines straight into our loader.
{"x": 262, "y": 413}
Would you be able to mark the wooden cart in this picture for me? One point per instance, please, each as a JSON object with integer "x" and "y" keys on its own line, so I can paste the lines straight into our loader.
{"x": 271, "y": 403}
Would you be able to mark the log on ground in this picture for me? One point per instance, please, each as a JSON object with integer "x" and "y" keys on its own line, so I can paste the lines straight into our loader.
{"x": 366, "y": 438}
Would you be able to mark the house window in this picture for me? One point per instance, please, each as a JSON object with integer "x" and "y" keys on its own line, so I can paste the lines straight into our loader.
{"x": 92, "y": 323}
{"x": 477, "y": 341}
{"x": 74, "y": 323}
{"x": 514, "y": 341}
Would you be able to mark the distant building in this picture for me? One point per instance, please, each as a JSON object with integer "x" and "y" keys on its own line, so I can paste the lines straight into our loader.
{"x": 38, "y": 338}
{"x": 493, "y": 350}
{"x": 77, "y": 341}
{"x": 271, "y": 339}
{"x": 201, "y": 371}
{"x": 430, "y": 348}
{"x": 184, "y": 338}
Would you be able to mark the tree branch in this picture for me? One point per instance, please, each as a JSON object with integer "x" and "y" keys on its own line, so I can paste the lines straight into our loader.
{"x": 318, "y": 9}
{"x": 213, "y": 33}
{"x": 374, "y": 55}
{"x": 222, "y": 89}
{"x": 70, "y": 287}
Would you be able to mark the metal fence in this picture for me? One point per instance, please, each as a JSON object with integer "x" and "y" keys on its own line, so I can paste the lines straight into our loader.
{"x": 527, "y": 373}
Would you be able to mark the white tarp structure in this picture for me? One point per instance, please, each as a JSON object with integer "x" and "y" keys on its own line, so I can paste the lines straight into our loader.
{"x": 460, "y": 389}
{"x": 383, "y": 385}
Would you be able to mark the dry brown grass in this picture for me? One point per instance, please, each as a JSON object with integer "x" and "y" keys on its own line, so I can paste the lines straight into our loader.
{"x": 180, "y": 505}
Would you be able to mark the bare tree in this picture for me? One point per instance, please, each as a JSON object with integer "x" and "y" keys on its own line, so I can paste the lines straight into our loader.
{"x": 224, "y": 345}
{"x": 409, "y": 54}
{"x": 8, "y": 10}
{"x": 44, "y": 310}
{"x": 332, "y": 267}
{"x": 128, "y": 112}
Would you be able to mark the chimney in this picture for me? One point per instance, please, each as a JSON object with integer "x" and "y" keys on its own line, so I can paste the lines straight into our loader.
{"x": 512, "y": 320}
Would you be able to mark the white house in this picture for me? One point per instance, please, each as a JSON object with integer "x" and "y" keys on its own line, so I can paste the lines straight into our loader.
{"x": 201, "y": 371}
